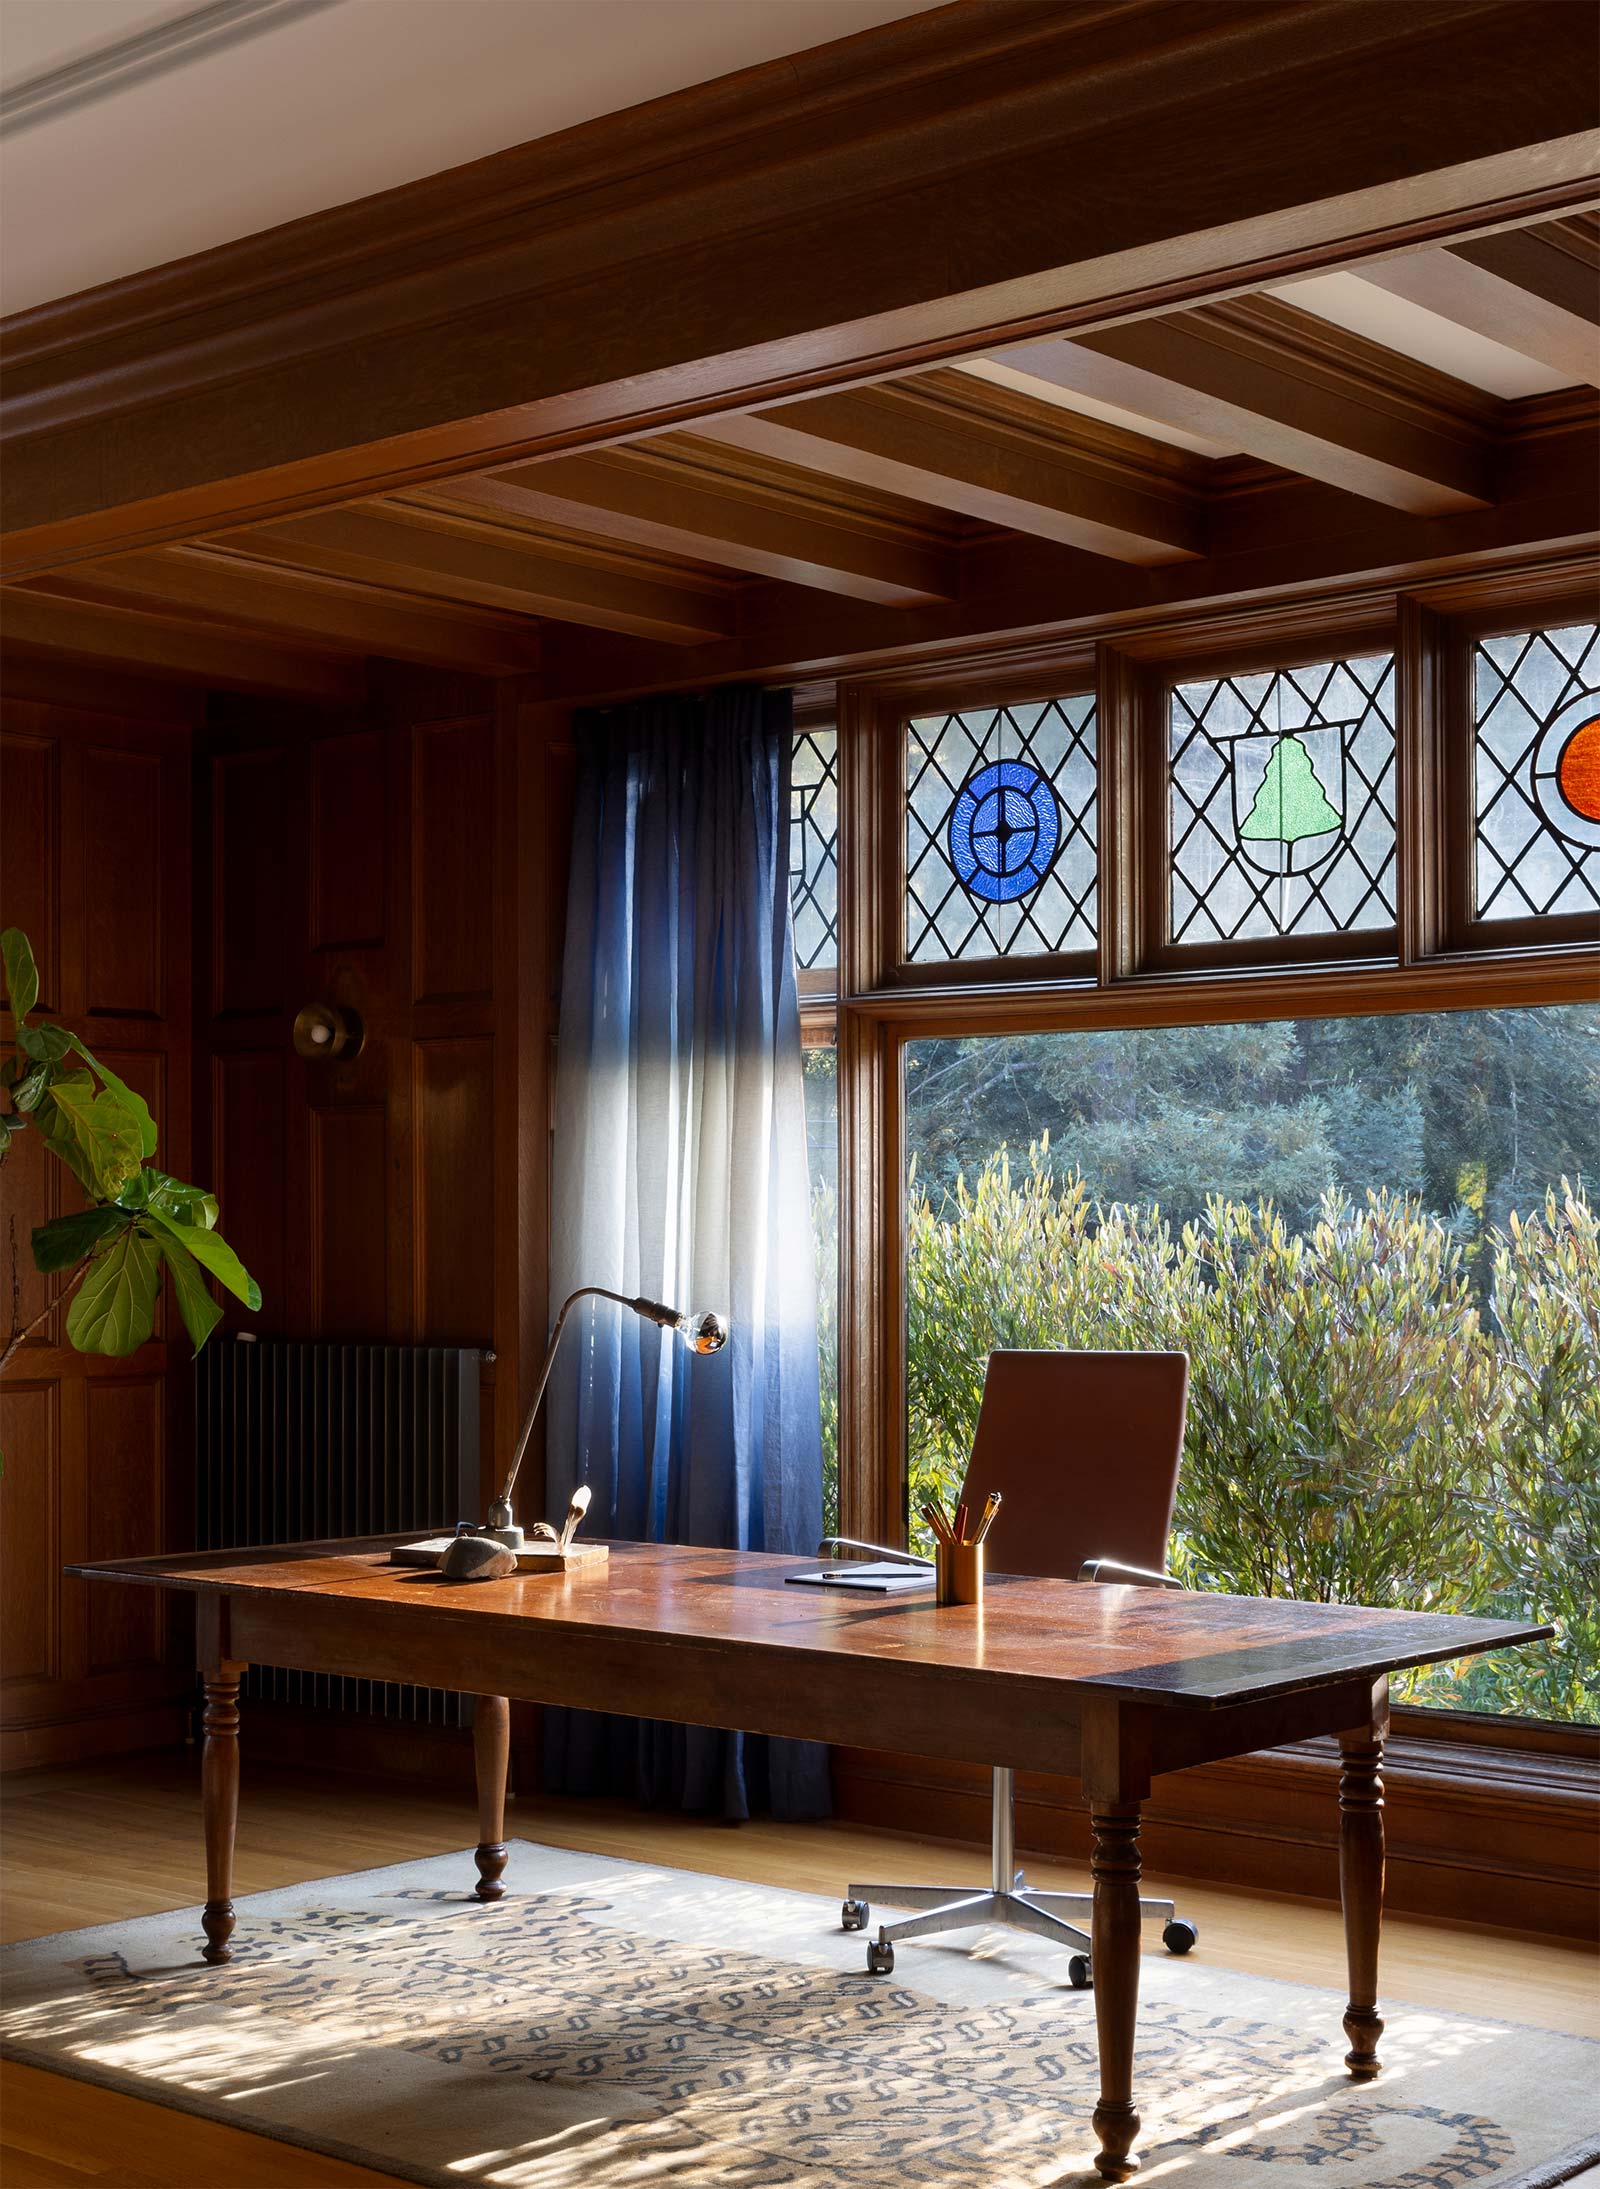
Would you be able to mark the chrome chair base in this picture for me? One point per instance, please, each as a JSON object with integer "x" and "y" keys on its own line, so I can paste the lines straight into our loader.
{"x": 1021, "y": 1909}
{"x": 1010, "y": 1902}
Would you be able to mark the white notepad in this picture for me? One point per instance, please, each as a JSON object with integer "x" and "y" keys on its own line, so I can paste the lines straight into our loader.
{"x": 881, "y": 1578}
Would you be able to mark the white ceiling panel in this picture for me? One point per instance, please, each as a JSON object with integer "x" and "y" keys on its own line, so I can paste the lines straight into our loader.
{"x": 1356, "y": 305}
{"x": 1090, "y": 406}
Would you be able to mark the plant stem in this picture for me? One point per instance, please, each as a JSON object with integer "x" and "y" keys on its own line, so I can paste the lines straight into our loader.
{"x": 19, "y": 1337}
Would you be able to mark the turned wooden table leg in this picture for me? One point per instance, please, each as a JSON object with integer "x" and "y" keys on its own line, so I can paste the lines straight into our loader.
{"x": 1114, "y": 1865}
{"x": 219, "y": 1790}
{"x": 1361, "y": 1889}
{"x": 491, "y": 1750}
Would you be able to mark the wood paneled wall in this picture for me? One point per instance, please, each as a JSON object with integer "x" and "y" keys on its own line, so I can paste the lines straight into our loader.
{"x": 191, "y": 875}
{"x": 95, "y": 866}
{"x": 393, "y": 861}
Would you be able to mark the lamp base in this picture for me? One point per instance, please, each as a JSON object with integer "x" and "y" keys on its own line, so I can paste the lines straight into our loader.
{"x": 531, "y": 1557}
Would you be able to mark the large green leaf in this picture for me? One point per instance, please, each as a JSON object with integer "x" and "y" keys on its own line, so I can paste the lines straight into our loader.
{"x": 115, "y": 1310}
{"x": 49, "y": 1044}
{"x": 67, "y": 1239}
{"x": 182, "y": 1203}
{"x": 199, "y": 1310}
{"x": 22, "y": 975}
{"x": 212, "y": 1252}
{"x": 29, "y": 1090}
{"x": 94, "y": 1133}
{"x": 135, "y": 1103}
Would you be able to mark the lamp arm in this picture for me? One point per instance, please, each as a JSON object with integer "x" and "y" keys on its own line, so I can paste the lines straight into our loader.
{"x": 654, "y": 1309}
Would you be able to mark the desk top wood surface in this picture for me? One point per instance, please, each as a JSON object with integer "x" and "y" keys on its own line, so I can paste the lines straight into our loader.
{"x": 1152, "y": 1645}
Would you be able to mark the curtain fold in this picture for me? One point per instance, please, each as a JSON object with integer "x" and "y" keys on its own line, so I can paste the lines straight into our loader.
{"x": 680, "y": 1172}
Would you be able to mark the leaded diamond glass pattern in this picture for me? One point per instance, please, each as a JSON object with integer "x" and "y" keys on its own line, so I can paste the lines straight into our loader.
{"x": 1282, "y": 803}
{"x": 945, "y": 917}
{"x": 1536, "y": 770}
{"x": 814, "y": 848}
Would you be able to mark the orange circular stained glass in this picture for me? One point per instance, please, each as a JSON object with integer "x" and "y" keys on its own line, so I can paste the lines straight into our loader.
{"x": 1578, "y": 770}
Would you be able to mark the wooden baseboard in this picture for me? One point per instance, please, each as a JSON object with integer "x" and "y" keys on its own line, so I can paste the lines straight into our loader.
{"x": 1516, "y": 1846}
{"x": 104, "y": 1733}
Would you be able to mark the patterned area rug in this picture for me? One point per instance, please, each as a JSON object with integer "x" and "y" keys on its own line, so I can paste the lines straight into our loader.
{"x": 616, "y": 2026}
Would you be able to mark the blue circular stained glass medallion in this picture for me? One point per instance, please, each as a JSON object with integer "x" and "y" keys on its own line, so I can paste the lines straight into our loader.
{"x": 1004, "y": 831}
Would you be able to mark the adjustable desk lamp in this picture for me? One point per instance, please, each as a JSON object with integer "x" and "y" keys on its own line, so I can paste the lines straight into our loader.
{"x": 701, "y": 1333}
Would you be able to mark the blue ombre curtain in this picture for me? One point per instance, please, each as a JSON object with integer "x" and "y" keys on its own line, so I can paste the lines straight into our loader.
{"x": 680, "y": 1172}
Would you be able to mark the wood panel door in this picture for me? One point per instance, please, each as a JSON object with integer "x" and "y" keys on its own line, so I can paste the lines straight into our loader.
{"x": 95, "y": 865}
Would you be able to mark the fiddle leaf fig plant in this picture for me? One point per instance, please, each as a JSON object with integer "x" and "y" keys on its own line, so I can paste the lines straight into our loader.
{"x": 137, "y": 1220}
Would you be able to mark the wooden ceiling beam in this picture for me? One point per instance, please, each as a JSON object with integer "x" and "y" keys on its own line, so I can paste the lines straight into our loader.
{"x": 682, "y": 496}
{"x": 941, "y": 186}
{"x": 1537, "y": 290}
{"x": 1292, "y": 390}
{"x": 231, "y": 589}
{"x": 961, "y": 443}
{"x": 425, "y": 552}
{"x": 39, "y": 623}
{"x": 1271, "y": 537}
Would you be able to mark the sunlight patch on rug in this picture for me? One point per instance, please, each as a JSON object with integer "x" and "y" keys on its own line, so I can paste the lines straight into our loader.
{"x": 620, "y": 2026}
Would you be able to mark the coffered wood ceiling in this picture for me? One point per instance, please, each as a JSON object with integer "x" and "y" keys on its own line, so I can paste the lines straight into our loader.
{"x": 910, "y": 505}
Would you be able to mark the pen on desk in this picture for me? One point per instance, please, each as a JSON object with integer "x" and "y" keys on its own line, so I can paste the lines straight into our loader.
{"x": 991, "y": 1506}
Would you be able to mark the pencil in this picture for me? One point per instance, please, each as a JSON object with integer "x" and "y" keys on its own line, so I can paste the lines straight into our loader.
{"x": 990, "y": 1508}
{"x": 934, "y": 1516}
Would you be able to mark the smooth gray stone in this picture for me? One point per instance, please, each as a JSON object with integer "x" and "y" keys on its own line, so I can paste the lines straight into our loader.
{"x": 477, "y": 1558}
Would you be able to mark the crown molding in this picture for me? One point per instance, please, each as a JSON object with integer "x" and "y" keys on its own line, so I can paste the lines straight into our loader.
{"x": 156, "y": 49}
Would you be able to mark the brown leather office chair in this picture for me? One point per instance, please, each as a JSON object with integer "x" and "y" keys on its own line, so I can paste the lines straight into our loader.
{"x": 1084, "y": 1449}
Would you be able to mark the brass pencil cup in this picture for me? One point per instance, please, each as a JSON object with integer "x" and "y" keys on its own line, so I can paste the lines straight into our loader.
{"x": 958, "y": 1573}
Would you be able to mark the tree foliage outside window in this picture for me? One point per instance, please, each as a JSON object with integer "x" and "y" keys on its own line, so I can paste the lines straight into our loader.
{"x": 1373, "y": 1237}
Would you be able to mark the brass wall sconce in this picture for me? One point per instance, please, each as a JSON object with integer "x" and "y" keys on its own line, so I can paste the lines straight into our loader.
{"x": 326, "y": 1030}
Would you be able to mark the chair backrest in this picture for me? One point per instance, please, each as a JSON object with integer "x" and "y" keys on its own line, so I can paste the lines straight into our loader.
{"x": 1084, "y": 1449}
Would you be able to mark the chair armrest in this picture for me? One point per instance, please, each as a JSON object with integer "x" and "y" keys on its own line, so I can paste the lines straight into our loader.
{"x": 1113, "y": 1571}
{"x": 832, "y": 1543}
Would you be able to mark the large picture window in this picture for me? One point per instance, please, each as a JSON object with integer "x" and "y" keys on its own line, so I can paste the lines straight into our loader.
{"x": 1246, "y": 1001}
{"x": 1375, "y": 1238}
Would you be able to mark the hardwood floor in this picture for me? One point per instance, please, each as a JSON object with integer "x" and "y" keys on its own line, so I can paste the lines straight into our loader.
{"x": 122, "y": 1838}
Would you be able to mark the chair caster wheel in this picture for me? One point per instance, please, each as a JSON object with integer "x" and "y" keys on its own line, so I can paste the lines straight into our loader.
{"x": 1180, "y": 1936}
{"x": 1079, "y": 1974}
{"x": 880, "y": 1957}
{"x": 853, "y": 1915}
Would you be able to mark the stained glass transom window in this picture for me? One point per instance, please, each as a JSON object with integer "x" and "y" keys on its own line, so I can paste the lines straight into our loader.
{"x": 1000, "y": 831}
{"x": 814, "y": 848}
{"x": 1282, "y": 803}
{"x": 1536, "y": 772}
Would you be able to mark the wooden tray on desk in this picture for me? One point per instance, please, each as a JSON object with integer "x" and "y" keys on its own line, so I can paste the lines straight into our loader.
{"x": 532, "y": 1558}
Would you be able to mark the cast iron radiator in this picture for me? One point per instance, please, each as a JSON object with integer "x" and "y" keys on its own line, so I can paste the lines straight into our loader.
{"x": 294, "y": 1442}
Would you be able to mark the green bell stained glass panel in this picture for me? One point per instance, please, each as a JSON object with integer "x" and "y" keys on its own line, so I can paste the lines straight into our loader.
{"x": 1282, "y": 788}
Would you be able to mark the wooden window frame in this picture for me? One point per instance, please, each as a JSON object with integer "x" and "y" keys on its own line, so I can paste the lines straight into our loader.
{"x": 1420, "y": 964}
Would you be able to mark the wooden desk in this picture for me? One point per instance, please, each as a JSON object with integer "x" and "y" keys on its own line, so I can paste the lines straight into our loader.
{"x": 1108, "y": 1685}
